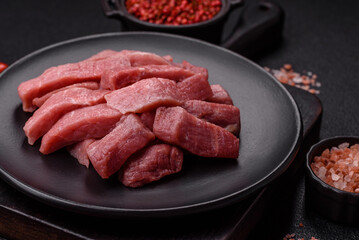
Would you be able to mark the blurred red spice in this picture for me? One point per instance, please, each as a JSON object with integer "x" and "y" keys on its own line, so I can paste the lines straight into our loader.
{"x": 173, "y": 12}
{"x": 3, "y": 66}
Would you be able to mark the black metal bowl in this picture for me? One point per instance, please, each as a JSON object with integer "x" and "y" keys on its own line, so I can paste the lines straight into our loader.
{"x": 338, "y": 205}
{"x": 210, "y": 30}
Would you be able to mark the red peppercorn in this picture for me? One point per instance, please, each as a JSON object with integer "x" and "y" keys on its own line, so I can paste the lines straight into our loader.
{"x": 173, "y": 12}
{"x": 3, "y": 66}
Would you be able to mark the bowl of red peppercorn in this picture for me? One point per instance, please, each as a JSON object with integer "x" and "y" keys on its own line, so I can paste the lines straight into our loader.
{"x": 202, "y": 19}
{"x": 332, "y": 182}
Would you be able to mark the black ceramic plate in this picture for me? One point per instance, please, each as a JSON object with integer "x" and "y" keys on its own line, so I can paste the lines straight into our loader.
{"x": 269, "y": 139}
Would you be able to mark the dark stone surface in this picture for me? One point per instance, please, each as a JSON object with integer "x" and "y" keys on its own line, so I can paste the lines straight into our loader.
{"x": 319, "y": 36}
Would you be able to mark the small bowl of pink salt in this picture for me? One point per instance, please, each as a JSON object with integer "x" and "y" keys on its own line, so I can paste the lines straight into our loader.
{"x": 332, "y": 183}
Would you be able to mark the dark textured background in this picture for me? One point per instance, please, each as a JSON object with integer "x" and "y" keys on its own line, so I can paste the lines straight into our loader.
{"x": 319, "y": 36}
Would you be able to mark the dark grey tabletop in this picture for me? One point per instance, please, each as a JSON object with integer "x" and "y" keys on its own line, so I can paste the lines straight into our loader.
{"x": 319, "y": 36}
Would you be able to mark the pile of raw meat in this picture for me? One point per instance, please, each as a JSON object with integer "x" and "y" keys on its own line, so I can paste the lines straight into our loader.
{"x": 130, "y": 113}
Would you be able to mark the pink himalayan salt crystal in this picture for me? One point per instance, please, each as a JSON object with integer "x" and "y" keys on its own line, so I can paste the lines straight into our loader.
{"x": 286, "y": 75}
{"x": 339, "y": 167}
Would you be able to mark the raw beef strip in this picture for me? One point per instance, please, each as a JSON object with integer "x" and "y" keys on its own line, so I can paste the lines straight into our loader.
{"x": 223, "y": 115}
{"x": 148, "y": 118}
{"x": 80, "y": 124}
{"x": 121, "y": 77}
{"x": 79, "y": 151}
{"x": 151, "y": 164}
{"x": 220, "y": 95}
{"x": 195, "y": 87}
{"x": 104, "y": 54}
{"x": 138, "y": 58}
{"x": 144, "y": 96}
{"x": 168, "y": 58}
{"x": 64, "y": 75}
{"x": 89, "y": 85}
{"x": 194, "y": 68}
{"x": 176, "y": 126}
{"x": 108, "y": 154}
{"x": 58, "y": 105}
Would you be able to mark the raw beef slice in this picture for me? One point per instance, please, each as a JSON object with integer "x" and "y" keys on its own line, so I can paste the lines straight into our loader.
{"x": 108, "y": 154}
{"x": 121, "y": 77}
{"x": 148, "y": 118}
{"x": 41, "y": 100}
{"x": 80, "y": 124}
{"x": 195, "y": 87}
{"x": 79, "y": 151}
{"x": 194, "y": 68}
{"x": 151, "y": 164}
{"x": 58, "y": 105}
{"x": 176, "y": 126}
{"x": 223, "y": 115}
{"x": 138, "y": 58}
{"x": 144, "y": 96}
{"x": 64, "y": 75}
{"x": 220, "y": 95}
